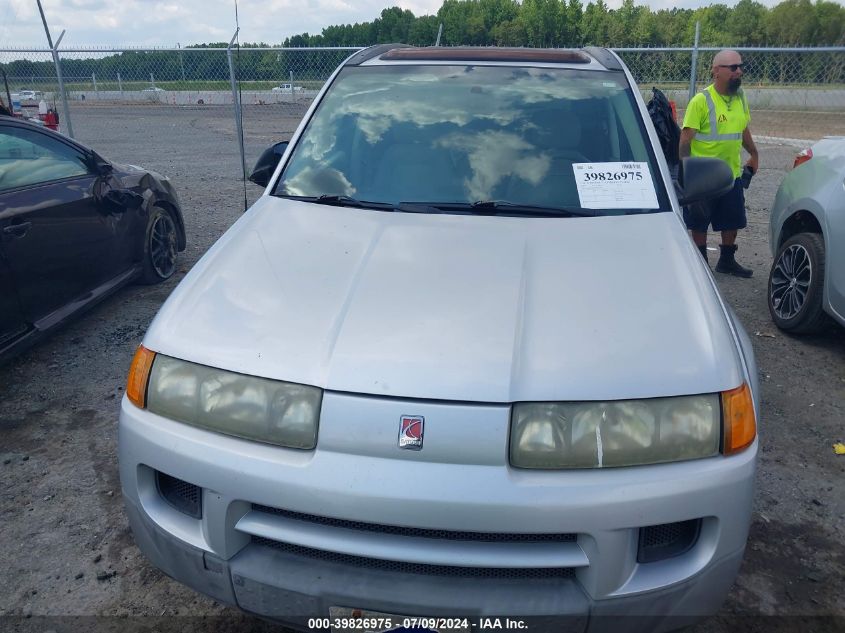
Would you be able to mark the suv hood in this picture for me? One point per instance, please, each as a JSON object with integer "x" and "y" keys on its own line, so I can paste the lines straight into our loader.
{"x": 484, "y": 309}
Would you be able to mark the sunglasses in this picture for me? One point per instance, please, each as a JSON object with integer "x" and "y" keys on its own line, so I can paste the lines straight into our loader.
{"x": 733, "y": 67}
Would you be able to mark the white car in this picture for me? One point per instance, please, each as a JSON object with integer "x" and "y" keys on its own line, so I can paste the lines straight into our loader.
{"x": 287, "y": 88}
{"x": 153, "y": 89}
{"x": 461, "y": 359}
{"x": 30, "y": 95}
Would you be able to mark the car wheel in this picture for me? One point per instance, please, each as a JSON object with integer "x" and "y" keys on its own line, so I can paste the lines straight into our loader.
{"x": 796, "y": 284}
{"x": 160, "y": 246}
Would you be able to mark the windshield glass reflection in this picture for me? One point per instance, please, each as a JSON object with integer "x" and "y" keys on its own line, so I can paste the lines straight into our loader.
{"x": 459, "y": 134}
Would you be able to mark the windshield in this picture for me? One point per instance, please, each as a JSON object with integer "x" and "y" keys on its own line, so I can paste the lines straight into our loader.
{"x": 502, "y": 136}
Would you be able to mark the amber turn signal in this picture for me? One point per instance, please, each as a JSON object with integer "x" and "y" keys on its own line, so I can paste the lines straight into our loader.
{"x": 139, "y": 375}
{"x": 740, "y": 426}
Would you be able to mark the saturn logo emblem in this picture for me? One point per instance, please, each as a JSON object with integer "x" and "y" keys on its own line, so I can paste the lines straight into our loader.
{"x": 411, "y": 432}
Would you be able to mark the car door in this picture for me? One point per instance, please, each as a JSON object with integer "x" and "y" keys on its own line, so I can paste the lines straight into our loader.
{"x": 12, "y": 322}
{"x": 58, "y": 241}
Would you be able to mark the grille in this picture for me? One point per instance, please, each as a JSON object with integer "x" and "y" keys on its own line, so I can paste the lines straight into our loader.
{"x": 451, "y": 535}
{"x": 667, "y": 540}
{"x": 417, "y": 568}
{"x": 183, "y": 496}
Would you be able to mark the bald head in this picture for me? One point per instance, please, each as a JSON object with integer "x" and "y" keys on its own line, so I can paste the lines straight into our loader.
{"x": 725, "y": 57}
{"x": 727, "y": 71}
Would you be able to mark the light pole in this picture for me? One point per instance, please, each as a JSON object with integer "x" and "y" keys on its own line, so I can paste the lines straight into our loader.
{"x": 55, "y": 50}
{"x": 181, "y": 61}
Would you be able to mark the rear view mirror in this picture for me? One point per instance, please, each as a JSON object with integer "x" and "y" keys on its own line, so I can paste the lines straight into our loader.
{"x": 267, "y": 163}
{"x": 701, "y": 179}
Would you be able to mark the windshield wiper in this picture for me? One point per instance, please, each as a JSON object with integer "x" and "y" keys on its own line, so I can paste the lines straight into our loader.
{"x": 420, "y": 207}
{"x": 343, "y": 201}
{"x": 505, "y": 206}
{"x": 493, "y": 207}
{"x": 348, "y": 201}
{"x": 485, "y": 207}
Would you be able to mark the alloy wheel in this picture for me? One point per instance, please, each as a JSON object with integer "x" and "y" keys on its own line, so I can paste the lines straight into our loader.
{"x": 791, "y": 278}
{"x": 163, "y": 246}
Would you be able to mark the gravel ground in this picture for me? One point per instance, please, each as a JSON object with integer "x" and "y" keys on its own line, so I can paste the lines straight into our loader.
{"x": 67, "y": 546}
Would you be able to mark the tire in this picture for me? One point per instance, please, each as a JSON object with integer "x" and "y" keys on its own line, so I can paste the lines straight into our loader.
{"x": 160, "y": 247}
{"x": 796, "y": 285}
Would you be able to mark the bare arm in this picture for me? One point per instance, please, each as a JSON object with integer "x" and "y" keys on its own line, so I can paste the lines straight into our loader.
{"x": 751, "y": 148}
{"x": 687, "y": 134}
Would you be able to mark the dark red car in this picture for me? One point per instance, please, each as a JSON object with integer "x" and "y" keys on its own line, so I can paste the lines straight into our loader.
{"x": 74, "y": 227}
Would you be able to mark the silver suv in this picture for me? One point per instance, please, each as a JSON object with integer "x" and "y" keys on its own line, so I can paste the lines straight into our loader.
{"x": 459, "y": 360}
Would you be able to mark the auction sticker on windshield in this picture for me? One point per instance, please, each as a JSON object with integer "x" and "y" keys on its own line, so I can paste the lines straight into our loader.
{"x": 615, "y": 186}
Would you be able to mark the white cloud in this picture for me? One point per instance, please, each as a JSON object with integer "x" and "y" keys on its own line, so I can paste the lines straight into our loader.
{"x": 163, "y": 23}
{"x": 107, "y": 21}
{"x": 128, "y": 22}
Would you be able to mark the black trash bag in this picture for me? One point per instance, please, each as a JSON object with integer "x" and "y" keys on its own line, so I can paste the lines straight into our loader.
{"x": 667, "y": 128}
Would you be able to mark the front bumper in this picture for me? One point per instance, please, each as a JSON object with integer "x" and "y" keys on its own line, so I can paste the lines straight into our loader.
{"x": 291, "y": 569}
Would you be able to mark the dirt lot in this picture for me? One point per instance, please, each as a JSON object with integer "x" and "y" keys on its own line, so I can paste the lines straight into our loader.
{"x": 67, "y": 550}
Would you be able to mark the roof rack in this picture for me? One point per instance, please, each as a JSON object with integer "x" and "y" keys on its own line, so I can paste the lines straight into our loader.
{"x": 487, "y": 53}
{"x": 373, "y": 51}
{"x": 604, "y": 57}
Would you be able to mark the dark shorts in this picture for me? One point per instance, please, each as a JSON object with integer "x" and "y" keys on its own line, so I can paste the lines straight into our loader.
{"x": 726, "y": 213}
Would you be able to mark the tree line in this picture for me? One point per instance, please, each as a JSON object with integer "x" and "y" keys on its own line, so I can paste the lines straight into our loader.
{"x": 540, "y": 23}
{"x": 568, "y": 23}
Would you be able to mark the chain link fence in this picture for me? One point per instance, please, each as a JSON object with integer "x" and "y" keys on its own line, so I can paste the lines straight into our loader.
{"x": 27, "y": 71}
{"x": 259, "y": 95}
{"x": 796, "y": 94}
{"x": 253, "y": 95}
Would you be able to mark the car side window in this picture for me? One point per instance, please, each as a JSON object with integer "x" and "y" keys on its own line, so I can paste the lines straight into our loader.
{"x": 29, "y": 158}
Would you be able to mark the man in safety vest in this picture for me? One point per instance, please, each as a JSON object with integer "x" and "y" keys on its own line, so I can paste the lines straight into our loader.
{"x": 716, "y": 125}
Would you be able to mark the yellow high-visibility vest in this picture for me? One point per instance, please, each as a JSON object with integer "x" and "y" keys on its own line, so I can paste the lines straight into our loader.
{"x": 719, "y": 123}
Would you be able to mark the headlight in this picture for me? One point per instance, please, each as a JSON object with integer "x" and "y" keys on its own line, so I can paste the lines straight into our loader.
{"x": 245, "y": 406}
{"x": 606, "y": 434}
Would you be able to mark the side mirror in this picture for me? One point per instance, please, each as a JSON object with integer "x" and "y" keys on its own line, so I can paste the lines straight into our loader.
{"x": 701, "y": 179}
{"x": 267, "y": 163}
{"x": 101, "y": 165}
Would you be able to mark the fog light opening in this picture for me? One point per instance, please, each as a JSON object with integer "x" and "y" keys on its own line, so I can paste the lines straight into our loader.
{"x": 183, "y": 496}
{"x": 667, "y": 540}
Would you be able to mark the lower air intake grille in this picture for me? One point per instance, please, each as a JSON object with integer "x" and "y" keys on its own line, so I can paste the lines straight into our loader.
{"x": 451, "y": 535}
{"x": 667, "y": 540}
{"x": 185, "y": 497}
{"x": 416, "y": 568}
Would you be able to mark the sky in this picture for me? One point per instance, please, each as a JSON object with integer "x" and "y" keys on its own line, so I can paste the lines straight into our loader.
{"x": 166, "y": 23}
